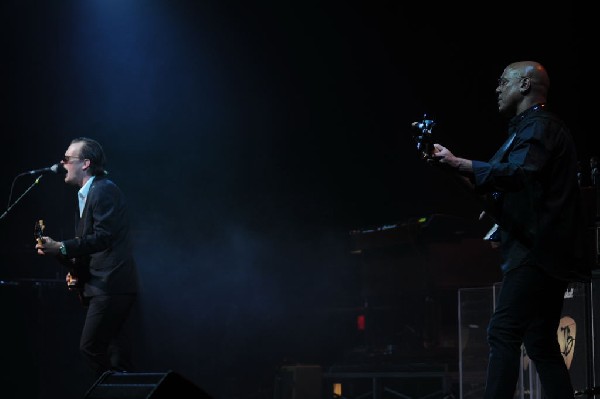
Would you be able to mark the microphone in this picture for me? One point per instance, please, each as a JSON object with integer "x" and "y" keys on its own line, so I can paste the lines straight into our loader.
{"x": 56, "y": 168}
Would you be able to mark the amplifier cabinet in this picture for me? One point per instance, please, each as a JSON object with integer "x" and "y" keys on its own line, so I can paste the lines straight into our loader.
{"x": 574, "y": 334}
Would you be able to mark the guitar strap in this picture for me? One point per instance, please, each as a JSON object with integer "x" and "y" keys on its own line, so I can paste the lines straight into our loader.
{"x": 508, "y": 143}
{"x": 495, "y": 197}
{"x": 502, "y": 151}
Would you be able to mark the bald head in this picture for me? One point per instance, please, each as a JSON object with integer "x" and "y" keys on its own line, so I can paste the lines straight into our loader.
{"x": 525, "y": 83}
{"x": 540, "y": 82}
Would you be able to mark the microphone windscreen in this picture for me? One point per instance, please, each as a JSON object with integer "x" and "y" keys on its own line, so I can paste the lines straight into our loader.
{"x": 58, "y": 168}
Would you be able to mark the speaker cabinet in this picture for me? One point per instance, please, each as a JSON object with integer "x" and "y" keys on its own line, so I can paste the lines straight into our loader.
{"x": 169, "y": 385}
{"x": 574, "y": 335}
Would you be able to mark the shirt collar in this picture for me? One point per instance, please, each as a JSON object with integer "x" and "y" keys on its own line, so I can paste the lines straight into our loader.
{"x": 82, "y": 195}
{"x": 83, "y": 191}
{"x": 518, "y": 118}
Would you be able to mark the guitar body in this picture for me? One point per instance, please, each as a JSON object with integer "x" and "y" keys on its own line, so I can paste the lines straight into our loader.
{"x": 72, "y": 281}
{"x": 75, "y": 279}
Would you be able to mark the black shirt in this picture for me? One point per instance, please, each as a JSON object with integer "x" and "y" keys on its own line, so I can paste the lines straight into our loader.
{"x": 539, "y": 208}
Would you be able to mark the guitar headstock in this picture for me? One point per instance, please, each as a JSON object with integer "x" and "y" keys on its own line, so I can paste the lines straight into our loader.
{"x": 424, "y": 137}
{"x": 38, "y": 231}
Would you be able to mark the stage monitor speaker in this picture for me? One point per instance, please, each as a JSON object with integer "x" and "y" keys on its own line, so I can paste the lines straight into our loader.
{"x": 168, "y": 385}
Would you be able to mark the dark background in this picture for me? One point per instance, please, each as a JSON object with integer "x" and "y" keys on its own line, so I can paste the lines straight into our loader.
{"x": 250, "y": 139}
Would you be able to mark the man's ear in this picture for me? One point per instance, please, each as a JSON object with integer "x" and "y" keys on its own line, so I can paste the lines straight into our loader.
{"x": 525, "y": 85}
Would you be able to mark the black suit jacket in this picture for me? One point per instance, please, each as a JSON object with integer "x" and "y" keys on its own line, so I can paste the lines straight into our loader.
{"x": 102, "y": 251}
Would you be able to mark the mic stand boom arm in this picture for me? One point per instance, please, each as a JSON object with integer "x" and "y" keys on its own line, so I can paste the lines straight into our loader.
{"x": 36, "y": 181}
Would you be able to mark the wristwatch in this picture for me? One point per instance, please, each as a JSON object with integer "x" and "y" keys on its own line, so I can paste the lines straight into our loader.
{"x": 62, "y": 249}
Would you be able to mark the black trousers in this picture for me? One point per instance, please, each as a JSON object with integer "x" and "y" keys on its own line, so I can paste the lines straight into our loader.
{"x": 527, "y": 312}
{"x": 105, "y": 340}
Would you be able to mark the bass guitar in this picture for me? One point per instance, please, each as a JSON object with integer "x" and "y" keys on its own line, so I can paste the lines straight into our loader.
{"x": 423, "y": 135}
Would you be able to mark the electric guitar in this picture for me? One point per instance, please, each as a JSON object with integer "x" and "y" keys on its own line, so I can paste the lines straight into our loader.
{"x": 73, "y": 280}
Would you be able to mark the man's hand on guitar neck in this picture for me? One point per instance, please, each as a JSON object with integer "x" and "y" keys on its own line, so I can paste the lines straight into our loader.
{"x": 444, "y": 156}
{"x": 48, "y": 246}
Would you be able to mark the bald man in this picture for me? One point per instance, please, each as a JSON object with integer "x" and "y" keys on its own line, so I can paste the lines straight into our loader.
{"x": 531, "y": 191}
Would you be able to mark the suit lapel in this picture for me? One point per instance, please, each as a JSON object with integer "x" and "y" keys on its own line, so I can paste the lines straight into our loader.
{"x": 81, "y": 225}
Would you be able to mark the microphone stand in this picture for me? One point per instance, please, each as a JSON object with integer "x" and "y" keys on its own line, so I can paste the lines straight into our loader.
{"x": 36, "y": 181}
